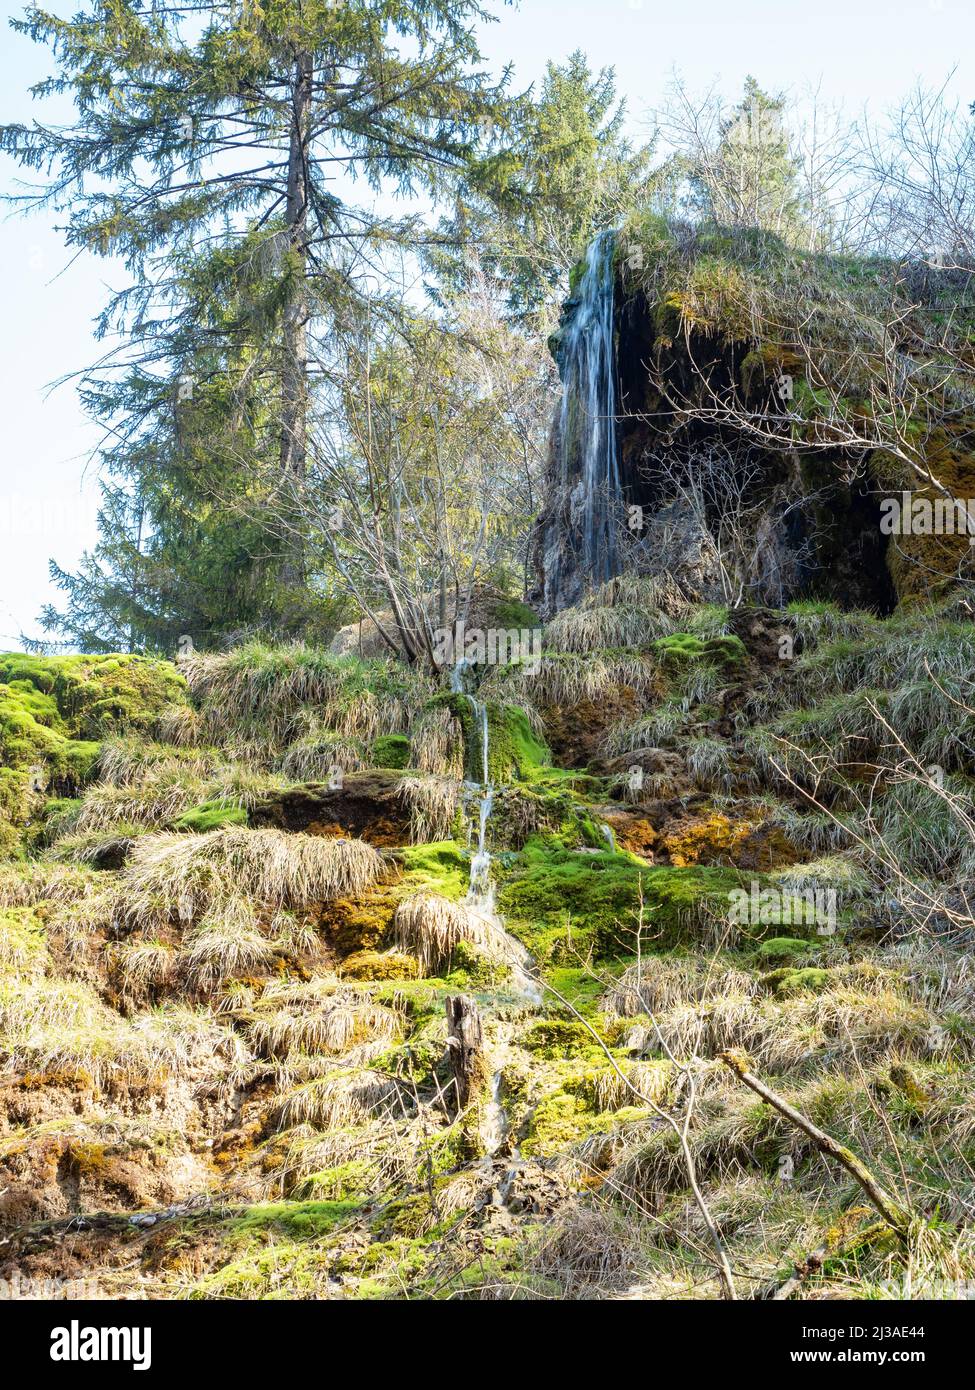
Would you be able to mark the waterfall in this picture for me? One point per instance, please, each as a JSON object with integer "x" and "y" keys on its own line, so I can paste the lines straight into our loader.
{"x": 480, "y": 893}
{"x": 494, "y": 1124}
{"x": 588, "y": 452}
{"x": 480, "y": 890}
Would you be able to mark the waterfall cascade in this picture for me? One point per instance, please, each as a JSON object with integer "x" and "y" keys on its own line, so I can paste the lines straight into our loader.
{"x": 589, "y": 465}
{"x": 480, "y": 891}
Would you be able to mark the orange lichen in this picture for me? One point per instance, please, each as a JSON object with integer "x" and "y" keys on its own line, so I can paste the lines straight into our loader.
{"x": 715, "y": 839}
{"x": 379, "y": 965}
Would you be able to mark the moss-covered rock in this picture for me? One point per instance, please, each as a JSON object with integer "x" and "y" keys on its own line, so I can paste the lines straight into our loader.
{"x": 211, "y": 815}
{"x": 788, "y": 980}
{"x": 379, "y": 965}
{"x": 564, "y": 902}
{"x": 681, "y": 649}
{"x": 781, "y": 949}
{"x": 96, "y": 694}
{"x": 557, "y": 1038}
{"x": 514, "y": 750}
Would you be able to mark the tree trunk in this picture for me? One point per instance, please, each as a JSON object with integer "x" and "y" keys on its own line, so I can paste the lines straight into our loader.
{"x": 294, "y": 346}
{"x": 465, "y": 1045}
{"x": 294, "y": 373}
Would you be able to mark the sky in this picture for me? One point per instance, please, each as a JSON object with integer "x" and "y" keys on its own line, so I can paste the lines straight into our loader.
{"x": 863, "y": 53}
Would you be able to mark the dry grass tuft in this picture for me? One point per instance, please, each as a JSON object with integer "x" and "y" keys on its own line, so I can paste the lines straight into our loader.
{"x": 62, "y": 1026}
{"x": 129, "y": 761}
{"x": 223, "y": 945}
{"x": 195, "y": 874}
{"x": 431, "y": 928}
{"x": 26, "y": 884}
{"x": 155, "y": 803}
{"x": 658, "y": 592}
{"x": 658, "y": 984}
{"x": 607, "y": 1090}
{"x": 590, "y": 1251}
{"x": 141, "y": 966}
{"x": 857, "y": 1020}
{"x": 271, "y": 692}
{"x": 340, "y": 1099}
{"x": 313, "y": 757}
{"x": 568, "y": 678}
{"x": 437, "y": 743}
{"x": 323, "y": 1016}
{"x": 432, "y": 804}
{"x": 180, "y": 725}
{"x": 593, "y": 629}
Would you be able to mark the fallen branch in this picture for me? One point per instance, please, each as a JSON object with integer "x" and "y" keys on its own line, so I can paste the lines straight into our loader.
{"x": 835, "y": 1245}
{"x": 894, "y": 1214}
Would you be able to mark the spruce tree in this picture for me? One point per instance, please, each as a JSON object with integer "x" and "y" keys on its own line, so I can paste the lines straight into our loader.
{"x": 222, "y": 151}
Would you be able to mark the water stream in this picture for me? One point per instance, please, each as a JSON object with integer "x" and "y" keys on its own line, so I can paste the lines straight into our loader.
{"x": 588, "y": 449}
{"x": 481, "y": 897}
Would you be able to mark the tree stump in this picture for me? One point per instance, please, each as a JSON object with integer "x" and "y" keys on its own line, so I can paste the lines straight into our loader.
{"x": 465, "y": 1044}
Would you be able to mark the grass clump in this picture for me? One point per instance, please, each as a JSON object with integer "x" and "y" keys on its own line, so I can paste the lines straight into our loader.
{"x": 192, "y": 873}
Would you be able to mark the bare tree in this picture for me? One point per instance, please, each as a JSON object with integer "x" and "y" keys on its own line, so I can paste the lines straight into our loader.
{"x": 427, "y": 440}
{"x": 722, "y": 517}
{"x": 918, "y": 173}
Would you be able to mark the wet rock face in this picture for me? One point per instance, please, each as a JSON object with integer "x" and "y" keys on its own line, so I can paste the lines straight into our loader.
{"x": 365, "y": 806}
{"x": 679, "y": 492}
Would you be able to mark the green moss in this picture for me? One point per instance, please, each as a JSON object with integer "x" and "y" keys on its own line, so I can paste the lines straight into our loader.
{"x": 27, "y": 733}
{"x": 783, "y": 948}
{"x": 563, "y": 902}
{"x": 211, "y": 815}
{"x": 791, "y": 981}
{"x": 54, "y": 712}
{"x": 519, "y": 749}
{"x": 680, "y": 649}
{"x": 344, "y": 1186}
{"x": 576, "y": 274}
{"x": 379, "y": 965}
{"x": 95, "y": 694}
{"x": 296, "y": 1218}
{"x": 561, "y": 1120}
{"x": 77, "y": 762}
{"x": 513, "y": 749}
{"x": 39, "y": 756}
{"x": 579, "y": 986}
{"x": 512, "y": 613}
{"x": 440, "y": 867}
{"x": 23, "y": 943}
{"x": 390, "y": 750}
{"x": 558, "y": 1038}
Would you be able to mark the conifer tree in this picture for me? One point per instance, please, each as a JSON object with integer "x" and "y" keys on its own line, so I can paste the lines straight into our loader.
{"x": 248, "y": 142}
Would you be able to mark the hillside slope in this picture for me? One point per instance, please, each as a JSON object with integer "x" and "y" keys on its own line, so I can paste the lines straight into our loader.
{"x": 237, "y": 914}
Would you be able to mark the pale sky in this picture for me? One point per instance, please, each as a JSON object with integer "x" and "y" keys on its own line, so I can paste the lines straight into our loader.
{"x": 859, "y": 52}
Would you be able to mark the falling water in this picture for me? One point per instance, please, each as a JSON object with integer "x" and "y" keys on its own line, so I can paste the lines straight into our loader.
{"x": 480, "y": 890}
{"x": 589, "y": 456}
{"x": 494, "y": 1124}
{"x": 480, "y": 893}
